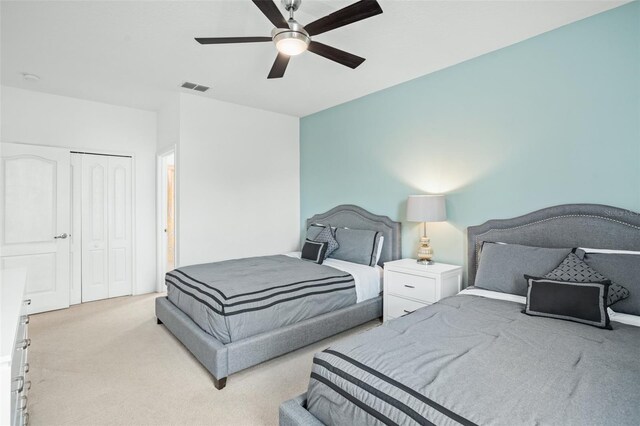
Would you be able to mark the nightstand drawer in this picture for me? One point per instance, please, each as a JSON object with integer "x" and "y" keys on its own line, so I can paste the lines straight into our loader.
{"x": 413, "y": 286}
{"x": 397, "y": 306}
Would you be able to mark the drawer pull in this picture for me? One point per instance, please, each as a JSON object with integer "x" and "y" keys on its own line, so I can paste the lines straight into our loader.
{"x": 407, "y": 312}
{"x": 409, "y": 286}
{"x": 25, "y": 419}
{"x": 23, "y": 403}
{"x": 20, "y": 387}
{"x": 27, "y": 385}
{"x": 24, "y": 344}
{"x": 27, "y": 302}
{"x": 26, "y": 367}
{"x": 25, "y": 320}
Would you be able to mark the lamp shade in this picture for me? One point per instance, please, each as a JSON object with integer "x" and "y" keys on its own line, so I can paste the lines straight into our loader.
{"x": 426, "y": 208}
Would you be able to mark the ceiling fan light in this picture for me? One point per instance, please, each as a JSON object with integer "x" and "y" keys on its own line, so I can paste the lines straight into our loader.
{"x": 291, "y": 43}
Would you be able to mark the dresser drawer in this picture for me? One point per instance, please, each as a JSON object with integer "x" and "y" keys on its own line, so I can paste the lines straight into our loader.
{"x": 413, "y": 286}
{"x": 397, "y": 306}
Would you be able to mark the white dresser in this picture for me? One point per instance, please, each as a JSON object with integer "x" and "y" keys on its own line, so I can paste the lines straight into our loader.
{"x": 14, "y": 343}
{"x": 409, "y": 285}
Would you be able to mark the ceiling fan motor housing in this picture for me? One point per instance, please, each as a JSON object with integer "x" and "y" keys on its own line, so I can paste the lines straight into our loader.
{"x": 291, "y": 41}
{"x": 291, "y": 5}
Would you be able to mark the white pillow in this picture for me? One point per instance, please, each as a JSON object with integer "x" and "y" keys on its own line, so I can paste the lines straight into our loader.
{"x": 379, "y": 253}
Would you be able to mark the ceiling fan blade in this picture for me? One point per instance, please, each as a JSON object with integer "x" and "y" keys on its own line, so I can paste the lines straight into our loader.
{"x": 225, "y": 40}
{"x": 353, "y": 13}
{"x": 340, "y": 56}
{"x": 279, "y": 66}
{"x": 271, "y": 11}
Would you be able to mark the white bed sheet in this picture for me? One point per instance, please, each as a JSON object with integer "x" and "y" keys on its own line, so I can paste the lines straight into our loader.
{"x": 368, "y": 279}
{"x": 613, "y": 315}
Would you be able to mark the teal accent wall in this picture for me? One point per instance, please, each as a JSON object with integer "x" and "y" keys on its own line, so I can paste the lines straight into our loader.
{"x": 551, "y": 120}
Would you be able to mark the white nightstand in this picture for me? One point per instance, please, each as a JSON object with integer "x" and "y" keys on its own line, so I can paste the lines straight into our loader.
{"x": 409, "y": 285}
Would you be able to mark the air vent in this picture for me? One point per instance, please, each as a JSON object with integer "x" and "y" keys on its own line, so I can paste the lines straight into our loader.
{"x": 193, "y": 86}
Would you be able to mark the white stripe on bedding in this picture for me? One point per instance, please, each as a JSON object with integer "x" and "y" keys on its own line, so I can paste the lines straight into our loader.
{"x": 608, "y": 251}
{"x": 368, "y": 279}
{"x": 494, "y": 295}
{"x": 624, "y": 318}
{"x": 613, "y": 315}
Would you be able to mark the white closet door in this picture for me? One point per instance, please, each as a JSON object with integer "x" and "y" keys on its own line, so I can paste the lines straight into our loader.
{"x": 120, "y": 217}
{"x": 75, "y": 243}
{"x": 34, "y": 195}
{"x": 95, "y": 253}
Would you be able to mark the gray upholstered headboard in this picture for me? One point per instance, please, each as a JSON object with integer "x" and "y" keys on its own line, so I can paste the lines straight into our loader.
{"x": 350, "y": 216}
{"x": 568, "y": 225}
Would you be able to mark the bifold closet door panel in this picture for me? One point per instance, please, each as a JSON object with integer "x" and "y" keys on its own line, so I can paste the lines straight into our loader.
{"x": 75, "y": 239}
{"x": 95, "y": 256}
{"x": 120, "y": 226}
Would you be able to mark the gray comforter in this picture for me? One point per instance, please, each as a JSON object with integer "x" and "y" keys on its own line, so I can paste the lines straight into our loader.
{"x": 473, "y": 360}
{"x": 236, "y": 299}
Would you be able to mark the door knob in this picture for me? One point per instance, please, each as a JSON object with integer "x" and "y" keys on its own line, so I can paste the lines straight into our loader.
{"x": 61, "y": 236}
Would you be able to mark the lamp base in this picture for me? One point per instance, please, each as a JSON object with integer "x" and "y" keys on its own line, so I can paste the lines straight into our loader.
{"x": 425, "y": 262}
{"x": 425, "y": 252}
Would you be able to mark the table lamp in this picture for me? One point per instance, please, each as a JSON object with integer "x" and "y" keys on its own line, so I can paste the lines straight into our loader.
{"x": 426, "y": 208}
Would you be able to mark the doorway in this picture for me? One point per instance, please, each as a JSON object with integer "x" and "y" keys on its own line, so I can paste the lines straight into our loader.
{"x": 167, "y": 260}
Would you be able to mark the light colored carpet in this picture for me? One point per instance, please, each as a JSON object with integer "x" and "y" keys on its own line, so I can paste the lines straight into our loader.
{"x": 108, "y": 362}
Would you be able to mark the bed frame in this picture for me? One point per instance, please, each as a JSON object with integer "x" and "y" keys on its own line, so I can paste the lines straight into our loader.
{"x": 221, "y": 360}
{"x": 569, "y": 225}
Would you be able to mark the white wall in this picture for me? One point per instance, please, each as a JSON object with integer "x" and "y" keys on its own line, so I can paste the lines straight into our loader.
{"x": 238, "y": 168}
{"x": 169, "y": 122}
{"x": 39, "y": 118}
{"x": 238, "y": 181}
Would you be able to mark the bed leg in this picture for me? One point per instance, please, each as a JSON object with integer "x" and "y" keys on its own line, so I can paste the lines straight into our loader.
{"x": 220, "y": 383}
{"x": 158, "y": 321}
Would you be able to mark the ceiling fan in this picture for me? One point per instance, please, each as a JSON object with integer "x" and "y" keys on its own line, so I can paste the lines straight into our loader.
{"x": 292, "y": 39}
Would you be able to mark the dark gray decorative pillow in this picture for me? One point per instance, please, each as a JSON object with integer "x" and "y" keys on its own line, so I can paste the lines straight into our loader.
{"x": 328, "y": 235}
{"x": 571, "y": 301}
{"x": 575, "y": 270}
{"x": 314, "y": 251}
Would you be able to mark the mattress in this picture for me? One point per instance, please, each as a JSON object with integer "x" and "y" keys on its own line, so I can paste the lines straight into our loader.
{"x": 236, "y": 299}
{"x": 474, "y": 360}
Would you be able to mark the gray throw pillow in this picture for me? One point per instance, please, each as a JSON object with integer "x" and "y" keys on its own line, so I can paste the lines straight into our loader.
{"x": 622, "y": 269}
{"x": 327, "y": 235}
{"x": 503, "y": 266}
{"x": 313, "y": 230}
{"x": 357, "y": 245}
{"x": 573, "y": 269}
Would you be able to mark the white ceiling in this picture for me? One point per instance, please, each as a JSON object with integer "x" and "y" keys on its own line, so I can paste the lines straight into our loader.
{"x": 134, "y": 53}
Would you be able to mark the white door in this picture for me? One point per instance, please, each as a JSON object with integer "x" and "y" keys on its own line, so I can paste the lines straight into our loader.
{"x": 120, "y": 217}
{"x": 95, "y": 254}
{"x": 106, "y": 208}
{"x": 34, "y": 196}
